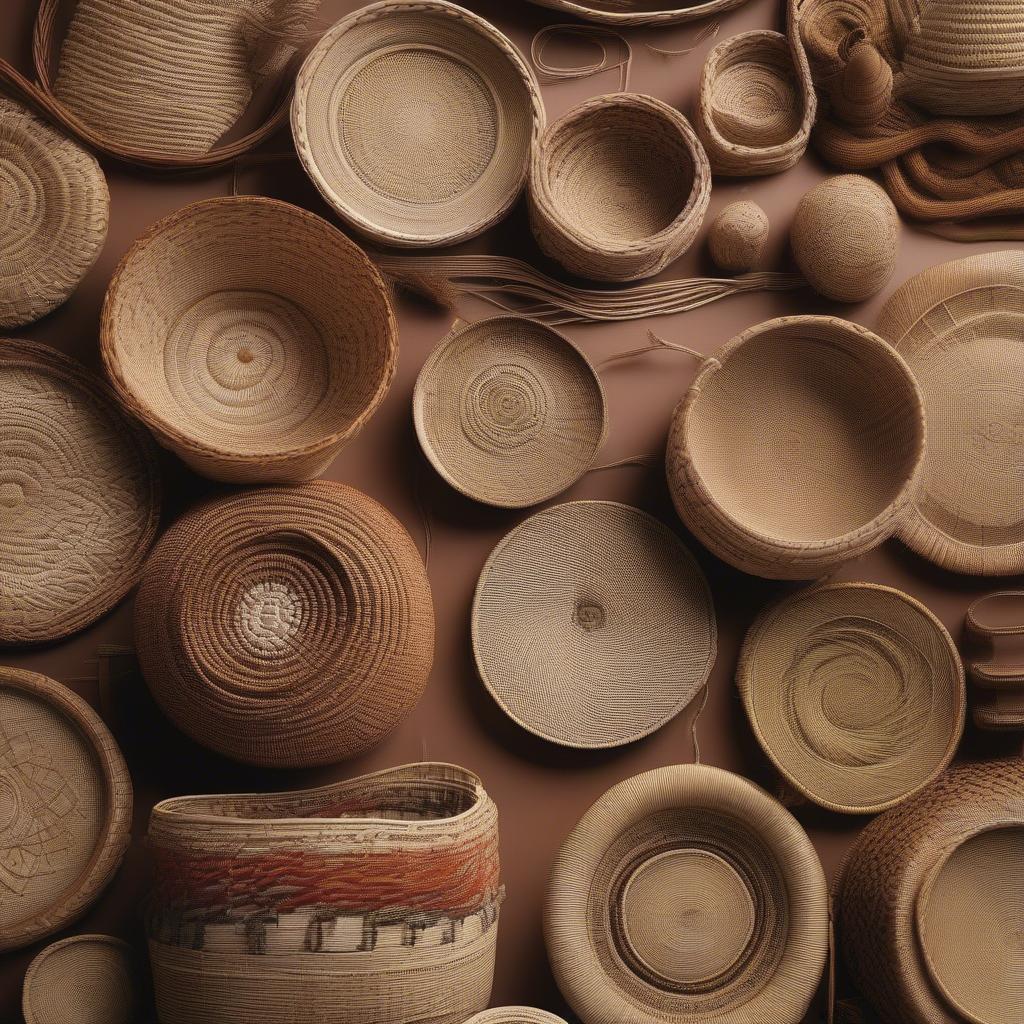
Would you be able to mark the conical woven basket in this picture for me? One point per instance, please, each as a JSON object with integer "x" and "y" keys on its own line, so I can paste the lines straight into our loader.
{"x": 997, "y": 678}
{"x": 931, "y": 900}
{"x": 364, "y": 901}
{"x": 415, "y": 119}
{"x": 253, "y": 338}
{"x": 686, "y": 895}
{"x": 618, "y": 187}
{"x": 286, "y": 626}
{"x": 515, "y": 1015}
{"x": 797, "y": 447}
{"x": 640, "y": 12}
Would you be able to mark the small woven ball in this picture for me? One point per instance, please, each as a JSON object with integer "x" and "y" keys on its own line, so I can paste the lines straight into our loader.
{"x": 845, "y": 238}
{"x": 738, "y": 237}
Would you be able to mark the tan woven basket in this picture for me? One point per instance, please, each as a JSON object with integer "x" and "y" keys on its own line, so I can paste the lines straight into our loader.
{"x": 640, "y": 12}
{"x": 997, "y": 681}
{"x": 929, "y": 903}
{"x": 365, "y": 901}
{"x": 855, "y": 692}
{"x": 415, "y": 119}
{"x": 287, "y": 626}
{"x": 253, "y": 338}
{"x": 797, "y": 447}
{"x": 618, "y": 187}
{"x": 699, "y": 847}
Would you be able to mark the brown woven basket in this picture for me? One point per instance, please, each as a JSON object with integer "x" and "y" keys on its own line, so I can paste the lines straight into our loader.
{"x": 365, "y": 901}
{"x": 253, "y": 338}
{"x": 640, "y": 12}
{"x": 66, "y": 804}
{"x": 930, "y": 901}
{"x": 618, "y": 187}
{"x": 287, "y": 626}
{"x": 798, "y": 447}
{"x": 997, "y": 681}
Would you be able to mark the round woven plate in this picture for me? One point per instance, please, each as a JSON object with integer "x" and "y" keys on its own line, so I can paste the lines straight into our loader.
{"x": 415, "y": 121}
{"x": 593, "y": 625}
{"x": 79, "y": 496}
{"x": 960, "y": 326}
{"x": 509, "y": 411}
{"x": 54, "y": 220}
{"x": 87, "y": 979}
{"x": 65, "y": 807}
{"x": 856, "y": 693}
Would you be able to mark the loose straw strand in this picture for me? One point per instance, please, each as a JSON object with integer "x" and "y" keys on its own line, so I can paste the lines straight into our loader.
{"x": 696, "y": 718}
{"x": 551, "y": 73}
{"x": 710, "y": 30}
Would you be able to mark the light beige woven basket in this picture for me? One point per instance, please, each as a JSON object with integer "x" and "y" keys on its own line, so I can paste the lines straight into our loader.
{"x": 515, "y": 1015}
{"x": 618, "y": 187}
{"x": 253, "y": 338}
{"x": 640, "y": 12}
{"x": 797, "y": 447}
{"x": 997, "y": 678}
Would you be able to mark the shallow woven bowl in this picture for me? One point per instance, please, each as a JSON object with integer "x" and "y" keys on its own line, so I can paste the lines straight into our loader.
{"x": 684, "y": 895}
{"x": 415, "y": 120}
{"x": 855, "y": 692}
{"x": 640, "y": 12}
{"x": 798, "y": 447}
{"x": 618, "y": 187}
{"x": 253, "y": 338}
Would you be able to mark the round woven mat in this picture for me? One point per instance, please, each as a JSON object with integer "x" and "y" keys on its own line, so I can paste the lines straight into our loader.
{"x": 53, "y": 218}
{"x": 65, "y": 807}
{"x": 856, "y": 693}
{"x": 509, "y": 411}
{"x": 79, "y": 496}
{"x": 593, "y": 625}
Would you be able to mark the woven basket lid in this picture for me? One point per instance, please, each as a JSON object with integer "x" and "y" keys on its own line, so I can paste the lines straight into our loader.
{"x": 87, "y": 979}
{"x": 687, "y": 894}
{"x": 79, "y": 496}
{"x": 515, "y": 1015}
{"x": 960, "y": 326}
{"x": 65, "y": 807}
{"x": 509, "y": 411}
{"x": 286, "y": 626}
{"x": 593, "y": 625}
{"x": 55, "y": 211}
{"x": 641, "y": 12}
{"x": 856, "y": 693}
{"x": 415, "y": 120}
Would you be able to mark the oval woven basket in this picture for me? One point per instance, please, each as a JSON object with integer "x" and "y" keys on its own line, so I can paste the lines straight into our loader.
{"x": 287, "y": 626}
{"x": 364, "y": 901}
{"x": 65, "y": 807}
{"x": 931, "y": 898}
{"x": 687, "y": 894}
{"x": 618, "y": 187}
{"x": 593, "y": 625}
{"x": 797, "y": 447}
{"x": 253, "y": 338}
{"x": 415, "y": 119}
{"x": 79, "y": 496}
{"x": 855, "y": 692}
{"x": 515, "y": 1015}
{"x": 640, "y": 12}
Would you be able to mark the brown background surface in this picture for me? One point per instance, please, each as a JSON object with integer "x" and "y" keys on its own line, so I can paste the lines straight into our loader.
{"x": 540, "y": 790}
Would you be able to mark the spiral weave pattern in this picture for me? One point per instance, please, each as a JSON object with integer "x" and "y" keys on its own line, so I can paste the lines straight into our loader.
{"x": 515, "y": 1015}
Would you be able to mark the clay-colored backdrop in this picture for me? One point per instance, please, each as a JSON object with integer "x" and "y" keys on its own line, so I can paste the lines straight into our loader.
{"x": 540, "y": 790}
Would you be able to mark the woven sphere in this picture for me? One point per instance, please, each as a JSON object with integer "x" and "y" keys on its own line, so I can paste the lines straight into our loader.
{"x": 286, "y": 626}
{"x": 618, "y": 188}
{"x": 797, "y": 447}
{"x": 253, "y": 338}
{"x": 996, "y": 676}
{"x": 845, "y": 238}
{"x": 738, "y": 237}
{"x": 56, "y": 207}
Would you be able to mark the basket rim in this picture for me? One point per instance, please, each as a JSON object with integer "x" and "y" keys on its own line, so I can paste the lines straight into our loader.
{"x": 693, "y": 12}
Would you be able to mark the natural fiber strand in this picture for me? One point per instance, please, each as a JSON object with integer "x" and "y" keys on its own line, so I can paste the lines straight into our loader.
{"x": 550, "y": 73}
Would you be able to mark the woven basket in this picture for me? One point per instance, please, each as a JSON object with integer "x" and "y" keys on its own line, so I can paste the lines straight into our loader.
{"x": 253, "y": 338}
{"x": 365, "y": 901}
{"x": 66, "y": 806}
{"x": 415, "y": 119}
{"x": 856, "y": 693}
{"x": 798, "y": 447}
{"x": 79, "y": 496}
{"x": 56, "y": 207}
{"x": 640, "y": 12}
{"x": 998, "y": 683}
{"x": 687, "y": 894}
{"x": 756, "y": 105}
{"x": 515, "y": 1015}
{"x": 287, "y": 626}
{"x": 593, "y": 625}
{"x": 618, "y": 188}
{"x": 930, "y": 901}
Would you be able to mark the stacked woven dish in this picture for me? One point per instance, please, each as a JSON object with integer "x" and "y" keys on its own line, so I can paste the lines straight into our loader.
{"x": 998, "y": 682}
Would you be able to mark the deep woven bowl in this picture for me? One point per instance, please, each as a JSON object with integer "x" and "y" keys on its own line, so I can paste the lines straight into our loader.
{"x": 618, "y": 187}
{"x": 415, "y": 119}
{"x": 253, "y": 338}
{"x": 797, "y": 447}
{"x": 640, "y": 12}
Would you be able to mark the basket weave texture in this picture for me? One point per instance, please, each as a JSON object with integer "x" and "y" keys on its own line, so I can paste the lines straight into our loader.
{"x": 996, "y": 676}
{"x": 515, "y": 1015}
{"x": 640, "y": 12}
